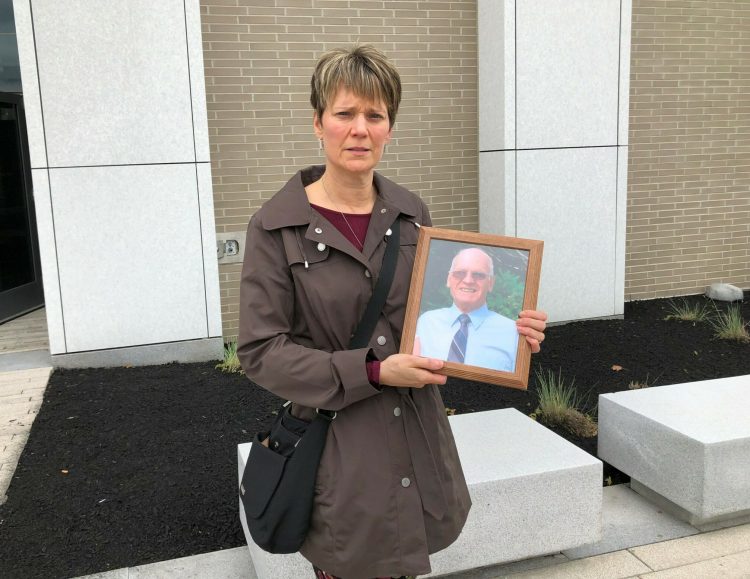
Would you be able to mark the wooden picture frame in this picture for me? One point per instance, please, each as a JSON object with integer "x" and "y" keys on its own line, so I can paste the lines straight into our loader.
{"x": 452, "y": 276}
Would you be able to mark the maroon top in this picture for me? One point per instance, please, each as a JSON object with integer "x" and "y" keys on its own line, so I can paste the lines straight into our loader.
{"x": 358, "y": 222}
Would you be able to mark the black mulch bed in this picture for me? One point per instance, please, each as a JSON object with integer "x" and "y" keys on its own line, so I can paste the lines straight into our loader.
{"x": 129, "y": 466}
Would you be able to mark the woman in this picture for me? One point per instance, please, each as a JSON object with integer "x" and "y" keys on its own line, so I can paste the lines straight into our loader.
{"x": 389, "y": 489}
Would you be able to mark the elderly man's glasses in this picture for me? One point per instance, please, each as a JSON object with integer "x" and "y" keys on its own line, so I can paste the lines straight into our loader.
{"x": 459, "y": 274}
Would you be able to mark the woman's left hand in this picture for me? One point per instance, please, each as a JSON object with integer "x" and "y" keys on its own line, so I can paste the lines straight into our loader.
{"x": 531, "y": 325}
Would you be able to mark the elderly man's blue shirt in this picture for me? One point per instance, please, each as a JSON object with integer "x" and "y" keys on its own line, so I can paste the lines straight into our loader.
{"x": 492, "y": 341}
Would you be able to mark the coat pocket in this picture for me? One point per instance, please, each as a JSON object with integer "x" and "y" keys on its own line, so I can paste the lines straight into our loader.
{"x": 261, "y": 477}
{"x": 302, "y": 252}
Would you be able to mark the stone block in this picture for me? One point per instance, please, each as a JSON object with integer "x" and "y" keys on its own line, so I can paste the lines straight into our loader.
{"x": 533, "y": 493}
{"x": 724, "y": 292}
{"x": 688, "y": 443}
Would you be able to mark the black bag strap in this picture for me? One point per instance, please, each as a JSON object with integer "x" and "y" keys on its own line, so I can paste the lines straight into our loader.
{"x": 366, "y": 326}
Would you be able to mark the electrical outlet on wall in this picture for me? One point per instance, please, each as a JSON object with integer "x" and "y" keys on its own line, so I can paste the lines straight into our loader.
{"x": 230, "y": 247}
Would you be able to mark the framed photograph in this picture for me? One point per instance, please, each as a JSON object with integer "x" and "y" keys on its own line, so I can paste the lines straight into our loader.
{"x": 466, "y": 292}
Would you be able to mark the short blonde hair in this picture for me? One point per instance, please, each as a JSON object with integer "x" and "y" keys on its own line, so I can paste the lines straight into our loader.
{"x": 362, "y": 69}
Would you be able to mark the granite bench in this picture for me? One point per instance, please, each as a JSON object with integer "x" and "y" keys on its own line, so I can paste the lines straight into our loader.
{"x": 533, "y": 494}
{"x": 686, "y": 447}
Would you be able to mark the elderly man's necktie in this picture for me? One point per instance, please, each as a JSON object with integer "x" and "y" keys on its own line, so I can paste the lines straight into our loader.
{"x": 457, "y": 352}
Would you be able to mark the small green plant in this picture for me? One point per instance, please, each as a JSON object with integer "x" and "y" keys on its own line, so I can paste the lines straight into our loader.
{"x": 231, "y": 363}
{"x": 555, "y": 396}
{"x": 687, "y": 312}
{"x": 558, "y": 404}
{"x": 730, "y": 325}
{"x": 638, "y": 384}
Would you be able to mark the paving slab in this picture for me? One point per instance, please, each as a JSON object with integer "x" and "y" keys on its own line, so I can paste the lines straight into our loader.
{"x": 25, "y": 360}
{"x": 25, "y": 375}
{"x": 13, "y": 451}
{"x": 736, "y": 566}
{"x": 688, "y": 550}
{"x": 6, "y": 472}
{"x": 16, "y": 427}
{"x": 617, "y": 565}
{"x": 16, "y": 399}
{"x": 509, "y": 568}
{"x": 9, "y": 388}
{"x": 629, "y": 520}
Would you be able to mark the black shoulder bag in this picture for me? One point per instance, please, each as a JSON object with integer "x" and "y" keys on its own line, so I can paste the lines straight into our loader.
{"x": 279, "y": 479}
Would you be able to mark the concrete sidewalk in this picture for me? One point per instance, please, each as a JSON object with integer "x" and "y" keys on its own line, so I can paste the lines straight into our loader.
{"x": 21, "y": 393}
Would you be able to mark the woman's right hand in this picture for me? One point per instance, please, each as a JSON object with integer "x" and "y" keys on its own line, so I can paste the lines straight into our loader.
{"x": 408, "y": 371}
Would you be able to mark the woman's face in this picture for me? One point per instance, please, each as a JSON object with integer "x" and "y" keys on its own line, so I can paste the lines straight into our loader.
{"x": 354, "y": 132}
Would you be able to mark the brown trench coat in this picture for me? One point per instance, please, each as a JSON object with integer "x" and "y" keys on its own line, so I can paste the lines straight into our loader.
{"x": 390, "y": 487}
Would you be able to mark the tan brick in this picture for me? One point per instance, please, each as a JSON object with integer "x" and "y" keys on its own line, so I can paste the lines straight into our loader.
{"x": 687, "y": 160}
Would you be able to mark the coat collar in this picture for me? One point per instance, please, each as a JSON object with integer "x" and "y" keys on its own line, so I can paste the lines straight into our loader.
{"x": 290, "y": 206}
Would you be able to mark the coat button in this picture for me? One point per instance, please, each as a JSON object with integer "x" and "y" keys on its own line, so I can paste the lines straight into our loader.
{"x": 383, "y": 210}
{"x": 389, "y": 232}
{"x": 397, "y": 411}
{"x": 321, "y": 247}
{"x": 381, "y": 340}
{"x": 405, "y": 482}
{"x": 318, "y": 230}
{"x": 367, "y": 273}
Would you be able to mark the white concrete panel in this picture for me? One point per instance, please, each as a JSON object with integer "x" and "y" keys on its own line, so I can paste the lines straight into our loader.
{"x": 567, "y": 73}
{"x": 497, "y": 192}
{"x": 197, "y": 79}
{"x": 184, "y": 352}
{"x": 129, "y": 254}
{"x": 621, "y": 222}
{"x": 210, "y": 260}
{"x": 30, "y": 83}
{"x": 567, "y": 198}
{"x": 626, "y": 19}
{"x": 497, "y": 74}
{"x": 48, "y": 255}
{"x": 114, "y": 81}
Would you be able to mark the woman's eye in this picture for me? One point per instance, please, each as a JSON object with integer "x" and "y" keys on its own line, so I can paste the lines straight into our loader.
{"x": 376, "y": 116}
{"x": 343, "y": 114}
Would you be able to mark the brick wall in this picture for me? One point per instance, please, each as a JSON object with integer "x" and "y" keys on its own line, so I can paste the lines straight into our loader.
{"x": 259, "y": 56}
{"x": 688, "y": 220}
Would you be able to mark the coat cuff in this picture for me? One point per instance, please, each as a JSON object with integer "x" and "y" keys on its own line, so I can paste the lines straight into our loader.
{"x": 373, "y": 370}
{"x": 352, "y": 373}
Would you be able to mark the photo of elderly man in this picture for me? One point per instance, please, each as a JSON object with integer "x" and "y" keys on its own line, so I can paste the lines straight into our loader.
{"x": 468, "y": 332}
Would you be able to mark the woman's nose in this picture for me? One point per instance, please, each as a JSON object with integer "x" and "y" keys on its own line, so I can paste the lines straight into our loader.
{"x": 359, "y": 125}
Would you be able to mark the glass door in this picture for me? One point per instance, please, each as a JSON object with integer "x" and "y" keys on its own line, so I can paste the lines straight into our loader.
{"x": 20, "y": 270}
